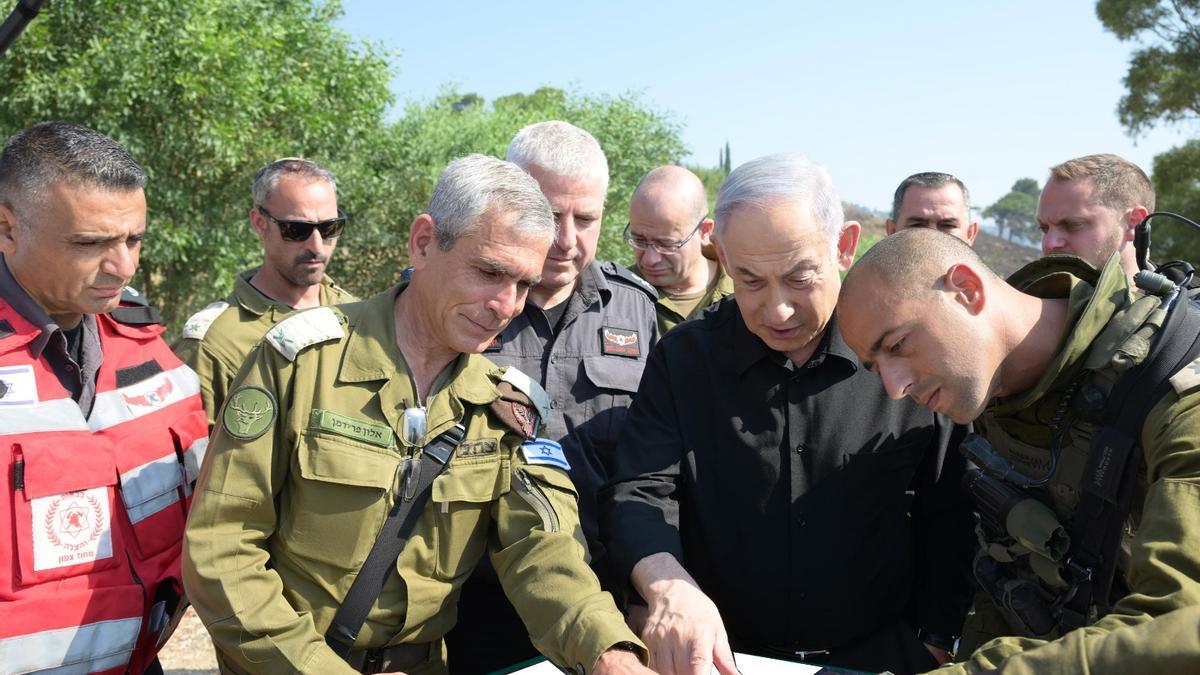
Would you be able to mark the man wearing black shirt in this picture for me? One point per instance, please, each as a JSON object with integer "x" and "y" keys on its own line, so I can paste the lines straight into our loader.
{"x": 767, "y": 495}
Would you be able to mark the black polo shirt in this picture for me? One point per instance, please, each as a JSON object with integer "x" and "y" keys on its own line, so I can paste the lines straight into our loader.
{"x": 810, "y": 507}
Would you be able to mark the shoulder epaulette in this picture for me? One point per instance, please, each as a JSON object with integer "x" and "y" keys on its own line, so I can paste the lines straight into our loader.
{"x": 197, "y": 324}
{"x": 528, "y": 386}
{"x": 132, "y": 296}
{"x": 615, "y": 271}
{"x": 305, "y": 329}
{"x": 135, "y": 310}
{"x": 523, "y": 404}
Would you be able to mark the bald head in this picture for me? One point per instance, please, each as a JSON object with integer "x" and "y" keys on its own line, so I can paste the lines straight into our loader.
{"x": 910, "y": 262}
{"x": 672, "y": 188}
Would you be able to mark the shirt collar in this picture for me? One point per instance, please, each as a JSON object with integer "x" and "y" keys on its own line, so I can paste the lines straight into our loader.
{"x": 749, "y": 349}
{"x": 258, "y": 303}
{"x": 28, "y": 308}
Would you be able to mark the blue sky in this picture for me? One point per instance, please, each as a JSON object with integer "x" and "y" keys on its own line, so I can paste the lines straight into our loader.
{"x": 875, "y": 91}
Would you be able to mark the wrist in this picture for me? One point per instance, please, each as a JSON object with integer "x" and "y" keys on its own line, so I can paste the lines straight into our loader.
{"x": 943, "y": 641}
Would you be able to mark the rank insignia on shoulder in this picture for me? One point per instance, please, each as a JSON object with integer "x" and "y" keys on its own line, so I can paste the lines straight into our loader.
{"x": 249, "y": 412}
{"x": 1187, "y": 378}
{"x": 620, "y": 342}
{"x": 545, "y": 451}
{"x": 304, "y": 329}
{"x": 493, "y": 346}
{"x": 516, "y": 410}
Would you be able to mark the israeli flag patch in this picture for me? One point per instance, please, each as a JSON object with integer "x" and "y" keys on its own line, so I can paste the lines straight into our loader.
{"x": 545, "y": 451}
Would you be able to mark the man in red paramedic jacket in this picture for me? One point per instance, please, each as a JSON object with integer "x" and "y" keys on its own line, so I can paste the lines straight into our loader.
{"x": 101, "y": 427}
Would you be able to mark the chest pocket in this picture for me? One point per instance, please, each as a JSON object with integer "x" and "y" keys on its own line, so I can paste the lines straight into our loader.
{"x": 613, "y": 381}
{"x": 64, "y": 520}
{"x": 462, "y": 503}
{"x": 337, "y": 499}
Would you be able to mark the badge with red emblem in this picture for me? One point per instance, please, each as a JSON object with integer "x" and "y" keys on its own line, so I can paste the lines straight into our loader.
{"x": 71, "y": 529}
{"x": 620, "y": 342}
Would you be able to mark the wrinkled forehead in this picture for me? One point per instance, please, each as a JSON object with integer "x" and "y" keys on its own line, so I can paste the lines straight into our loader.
{"x": 944, "y": 200}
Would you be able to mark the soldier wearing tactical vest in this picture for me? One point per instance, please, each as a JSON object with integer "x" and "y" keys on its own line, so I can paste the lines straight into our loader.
{"x": 296, "y": 216}
{"x": 345, "y": 419}
{"x": 671, "y": 236}
{"x": 1045, "y": 365}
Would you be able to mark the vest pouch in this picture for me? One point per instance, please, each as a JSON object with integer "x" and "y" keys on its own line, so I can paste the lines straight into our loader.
{"x": 152, "y": 489}
{"x": 63, "y": 509}
{"x": 336, "y": 499}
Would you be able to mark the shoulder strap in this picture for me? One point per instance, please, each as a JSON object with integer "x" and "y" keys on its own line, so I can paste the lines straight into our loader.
{"x": 418, "y": 485}
{"x": 616, "y": 271}
{"x": 1111, "y": 471}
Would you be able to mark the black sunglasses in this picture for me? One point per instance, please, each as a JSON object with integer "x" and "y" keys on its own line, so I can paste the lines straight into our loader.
{"x": 301, "y": 230}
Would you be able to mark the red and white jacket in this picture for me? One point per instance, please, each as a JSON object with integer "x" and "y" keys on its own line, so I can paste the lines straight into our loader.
{"x": 93, "y": 508}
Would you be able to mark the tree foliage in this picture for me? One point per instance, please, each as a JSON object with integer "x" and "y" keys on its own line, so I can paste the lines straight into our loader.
{"x": 1177, "y": 177}
{"x": 1163, "y": 80}
{"x": 204, "y": 92}
{"x": 1016, "y": 212}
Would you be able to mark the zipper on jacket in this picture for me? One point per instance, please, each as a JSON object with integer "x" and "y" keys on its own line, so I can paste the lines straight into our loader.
{"x": 19, "y": 472}
{"x": 533, "y": 494}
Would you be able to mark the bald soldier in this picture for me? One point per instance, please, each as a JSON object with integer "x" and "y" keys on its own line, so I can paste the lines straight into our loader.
{"x": 671, "y": 236}
{"x": 934, "y": 200}
{"x": 1050, "y": 366}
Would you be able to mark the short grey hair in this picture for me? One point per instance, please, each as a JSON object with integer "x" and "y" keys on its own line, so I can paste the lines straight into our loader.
{"x": 473, "y": 185}
{"x": 560, "y": 148}
{"x": 47, "y": 153}
{"x": 267, "y": 178}
{"x": 783, "y": 178}
{"x": 932, "y": 180}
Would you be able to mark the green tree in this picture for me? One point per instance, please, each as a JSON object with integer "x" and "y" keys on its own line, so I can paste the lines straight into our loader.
{"x": 1163, "y": 85}
{"x": 203, "y": 93}
{"x": 1016, "y": 212}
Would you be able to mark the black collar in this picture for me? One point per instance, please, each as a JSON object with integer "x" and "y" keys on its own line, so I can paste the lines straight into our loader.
{"x": 749, "y": 349}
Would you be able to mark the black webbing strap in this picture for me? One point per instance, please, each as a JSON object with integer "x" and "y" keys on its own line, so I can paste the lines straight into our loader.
{"x": 1113, "y": 460}
{"x": 417, "y": 486}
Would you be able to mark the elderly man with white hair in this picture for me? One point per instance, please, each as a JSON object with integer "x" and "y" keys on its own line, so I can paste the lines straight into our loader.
{"x": 767, "y": 495}
{"x": 584, "y": 335}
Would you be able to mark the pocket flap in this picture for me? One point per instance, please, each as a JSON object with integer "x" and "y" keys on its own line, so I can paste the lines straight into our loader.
{"x": 52, "y": 468}
{"x": 609, "y": 372}
{"x": 551, "y": 476}
{"x": 475, "y": 483}
{"x": 332, "y": 460}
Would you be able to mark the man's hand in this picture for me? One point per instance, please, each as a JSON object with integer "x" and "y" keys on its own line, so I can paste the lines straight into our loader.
{"x": 683, "y": 631}
{"x": 620, "y": 661}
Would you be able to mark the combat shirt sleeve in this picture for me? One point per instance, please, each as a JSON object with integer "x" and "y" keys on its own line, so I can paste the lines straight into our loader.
{"x": 945, "y": 531}
{"x": 1164, "y": 573}
{"x": 226, "y": 566}
{"x": 540, "y": 558}
{"x": 639, "y": 507}
{"x": 215, "y": 375}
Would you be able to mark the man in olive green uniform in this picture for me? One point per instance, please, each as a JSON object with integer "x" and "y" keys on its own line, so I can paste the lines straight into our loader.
{"x": 311, "y": 452}
{"x": 1034, "y": 363}
{"x": 671, "y": 236}
{"x": 296, "y": 216}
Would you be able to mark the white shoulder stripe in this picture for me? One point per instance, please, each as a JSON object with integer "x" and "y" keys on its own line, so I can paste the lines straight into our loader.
{"x": 530, "y": 387}
{"x": 198, "y": 323}
{"x": 61, "y": 414}
{"x": 129, "y": 403}
{"x": 304, "y": 329}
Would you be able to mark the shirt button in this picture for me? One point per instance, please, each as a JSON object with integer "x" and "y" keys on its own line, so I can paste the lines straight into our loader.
{"x": 555, "y": 404}
{"x": 70, "y": 367}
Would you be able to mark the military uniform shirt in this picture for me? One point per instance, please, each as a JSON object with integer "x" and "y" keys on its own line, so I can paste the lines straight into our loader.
{"x": 302, "y": 470}
{"x": 589, "y": 367}
{"x": 217, "y": 339}
{"x": 671, "y": 313}
{"x": 1163, "y": 572}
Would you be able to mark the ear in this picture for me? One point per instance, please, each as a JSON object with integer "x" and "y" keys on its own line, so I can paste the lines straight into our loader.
{"x": 259, "y": 223}
{"x": 972, "y": 232}
{"x": 422, "y": 238}
{"x": 889, "y": 226}
{"x": 1133, "y": 218}
{"x": 848, "y": 244}
{"x": 8, "y": 229}
{"x": 966, "y": 285}
{"x": 706, "y": 230}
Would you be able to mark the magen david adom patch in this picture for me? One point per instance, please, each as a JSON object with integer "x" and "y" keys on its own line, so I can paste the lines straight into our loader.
{"x": 249, "y": 413}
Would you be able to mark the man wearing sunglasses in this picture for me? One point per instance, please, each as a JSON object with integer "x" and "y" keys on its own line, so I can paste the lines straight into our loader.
{"x": 670, "y": 233}
{"x": 295, "y": 215}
